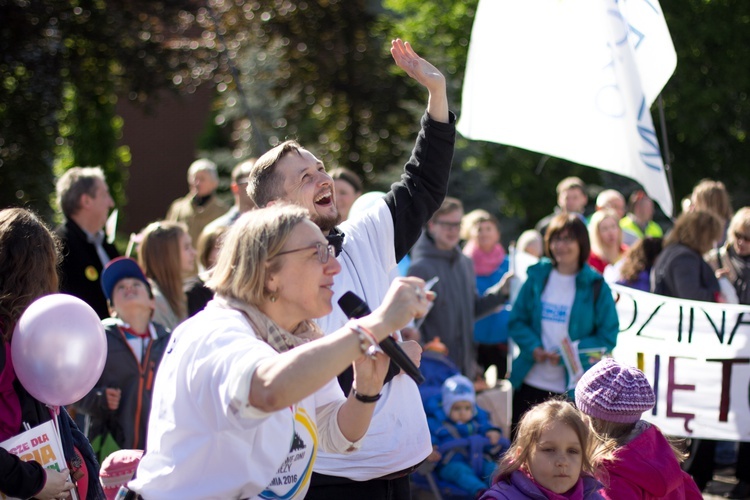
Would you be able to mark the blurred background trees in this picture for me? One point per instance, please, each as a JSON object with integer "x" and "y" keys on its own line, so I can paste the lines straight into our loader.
{"x": 320, "y": 72}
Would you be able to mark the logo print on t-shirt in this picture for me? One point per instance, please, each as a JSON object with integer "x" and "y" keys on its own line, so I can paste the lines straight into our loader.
{"x": 293, "y": 475}
{"x": 554, "y": 312}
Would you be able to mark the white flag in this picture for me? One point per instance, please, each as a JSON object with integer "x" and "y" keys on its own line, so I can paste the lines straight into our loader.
{"x": 573, "y": 79}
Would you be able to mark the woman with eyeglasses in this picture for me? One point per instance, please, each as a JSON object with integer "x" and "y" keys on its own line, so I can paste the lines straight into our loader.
{"x": 681, "y": 272}
{"x": 246, "y": 394}
{"x": 562, "y": 300}
{"x": 732, "y": 261}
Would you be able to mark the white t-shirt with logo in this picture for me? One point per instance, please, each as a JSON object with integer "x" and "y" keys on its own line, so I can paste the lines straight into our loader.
{"x": 204, "y": 439}
{"x": 398, "y": 436}
{"x": 557, "y": 301}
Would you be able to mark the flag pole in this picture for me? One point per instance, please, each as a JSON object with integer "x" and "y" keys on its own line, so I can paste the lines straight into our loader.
{"x": 666, "y": 154}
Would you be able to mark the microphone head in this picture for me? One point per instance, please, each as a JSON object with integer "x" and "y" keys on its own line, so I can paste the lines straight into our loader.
{"x": 353, "y": 306}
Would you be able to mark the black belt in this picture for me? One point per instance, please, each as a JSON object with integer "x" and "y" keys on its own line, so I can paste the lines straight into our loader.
{"x": 401, "y": 473}
{"x": 326, "y": 480}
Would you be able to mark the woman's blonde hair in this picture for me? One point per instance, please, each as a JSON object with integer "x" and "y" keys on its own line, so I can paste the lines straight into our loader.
{"x": 595, "y": 237}
{"x": 698, "y": 230}
{"x": 530, "y": 428}
{"x": 608, "y": 436}
{"x": 712, "y": 196}
{"x": 246, "y": 257}
{"x": 530, "y": 237}
{"x": 160, "y": 258}
{"x": 740, "y": 224}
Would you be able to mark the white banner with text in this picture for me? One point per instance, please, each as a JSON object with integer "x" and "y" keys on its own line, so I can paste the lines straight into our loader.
{"x": 697, "y": 358}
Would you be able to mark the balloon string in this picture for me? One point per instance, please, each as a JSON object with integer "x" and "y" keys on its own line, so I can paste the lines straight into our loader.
{"x": 55, "y": 413}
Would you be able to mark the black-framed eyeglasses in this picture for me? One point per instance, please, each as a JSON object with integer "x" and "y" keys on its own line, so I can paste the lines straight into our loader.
{"x": 562, "y": 238}
{"x": 324, "y": 251}
{"x": 448, "y": 225}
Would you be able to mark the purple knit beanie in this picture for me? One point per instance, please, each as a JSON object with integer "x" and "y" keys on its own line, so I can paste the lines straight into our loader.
{"x": 614, "y": 392}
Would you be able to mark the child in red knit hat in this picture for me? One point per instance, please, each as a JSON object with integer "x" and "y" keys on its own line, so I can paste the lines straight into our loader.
{"x": 639, "y": 460}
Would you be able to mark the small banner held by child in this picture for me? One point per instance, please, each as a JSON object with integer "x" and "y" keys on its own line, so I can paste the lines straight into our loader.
{"x": 696, "y": 356}
{"x": 39, "y": 444}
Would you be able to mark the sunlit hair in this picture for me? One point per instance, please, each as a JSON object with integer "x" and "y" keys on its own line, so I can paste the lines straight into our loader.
{"x": 608, "y": 436}
{"x": 473, "y": 219}
{"x": 528, "y": 238}
{"x": 572, "y": 182}
{"x": 160, "y": 258}
{"x": 29, "y": 257}
{"x": 712, "y": 196}
{"x": 202, "y": 165}
{"x": 207, "y": 241}
{"x": 348, "y": 176}
{"x": 698, "y": 230}
{"x": 448, "y": 206}
{"x": 635, "y": 198}
{"x": 247, "y": 254}
{"x": 740, "y": 224}
{"x": 640, "y": 257}
{"x": 241, "y": 171}
{"x": 597, "y": 246}
{"x": 264, "y": 185}
{"x": 607, "y": 196}
{"x": 533, "y": 423}
{"x": 73, "y": 184}
{"x": 573, "y": 225}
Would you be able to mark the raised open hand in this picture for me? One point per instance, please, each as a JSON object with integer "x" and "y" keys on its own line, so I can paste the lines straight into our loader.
{"x": 416, "y": 67}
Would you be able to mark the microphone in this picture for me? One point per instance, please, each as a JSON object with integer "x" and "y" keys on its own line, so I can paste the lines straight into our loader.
{"x": 354, "y": 307}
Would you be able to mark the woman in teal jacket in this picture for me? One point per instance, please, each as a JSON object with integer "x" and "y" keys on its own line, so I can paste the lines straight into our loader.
{"x": 562, "y": 297}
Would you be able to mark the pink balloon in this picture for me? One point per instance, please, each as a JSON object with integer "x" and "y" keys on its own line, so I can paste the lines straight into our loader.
{"x": 59, "y": 349}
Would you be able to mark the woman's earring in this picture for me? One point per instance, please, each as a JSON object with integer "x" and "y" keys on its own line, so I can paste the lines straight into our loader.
{"x": 273, "y": 296}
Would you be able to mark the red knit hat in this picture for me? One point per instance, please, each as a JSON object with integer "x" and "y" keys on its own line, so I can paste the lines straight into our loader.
{"x": 117, "y": 469}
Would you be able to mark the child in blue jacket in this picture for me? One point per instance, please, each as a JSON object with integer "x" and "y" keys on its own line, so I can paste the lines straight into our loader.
{"x": 455, "y": 416}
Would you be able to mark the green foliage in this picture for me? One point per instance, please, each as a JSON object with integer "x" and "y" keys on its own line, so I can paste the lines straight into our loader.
{"x": 706, "y": 101}
{"x": 62, "y": 64}
{"x": 513, "y": 183}
{"x": 318, "y": 72}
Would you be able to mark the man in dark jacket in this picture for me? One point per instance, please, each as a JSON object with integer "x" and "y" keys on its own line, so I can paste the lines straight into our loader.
{"x": 83, "y": 197}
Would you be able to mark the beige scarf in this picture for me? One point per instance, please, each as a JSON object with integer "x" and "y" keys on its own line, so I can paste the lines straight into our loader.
{"x": 267, "y": 330}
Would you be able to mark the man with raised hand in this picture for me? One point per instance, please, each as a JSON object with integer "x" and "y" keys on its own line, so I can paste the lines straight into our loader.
{"x": 368, "y": 249}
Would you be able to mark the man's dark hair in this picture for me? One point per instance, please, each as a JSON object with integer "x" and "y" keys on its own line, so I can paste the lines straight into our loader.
{"x": 264, "y": 184}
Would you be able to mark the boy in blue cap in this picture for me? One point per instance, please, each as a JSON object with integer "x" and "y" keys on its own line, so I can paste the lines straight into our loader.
{"x": 120, "y": 402}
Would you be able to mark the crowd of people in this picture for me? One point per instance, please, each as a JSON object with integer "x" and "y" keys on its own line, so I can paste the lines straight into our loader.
{"x": 230, "y": 373}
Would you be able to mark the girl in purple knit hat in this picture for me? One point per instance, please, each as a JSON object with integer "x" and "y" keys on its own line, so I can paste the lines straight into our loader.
{"x": 639, "y": 461}
{"x": 549, "y": 458}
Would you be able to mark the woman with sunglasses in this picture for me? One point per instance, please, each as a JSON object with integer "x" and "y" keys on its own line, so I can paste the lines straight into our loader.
{"x": 681, "y": 272}
{"x": 246, "y": 394}
{"x": 732, "y": 260}
{"x": 563, "y": 298}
